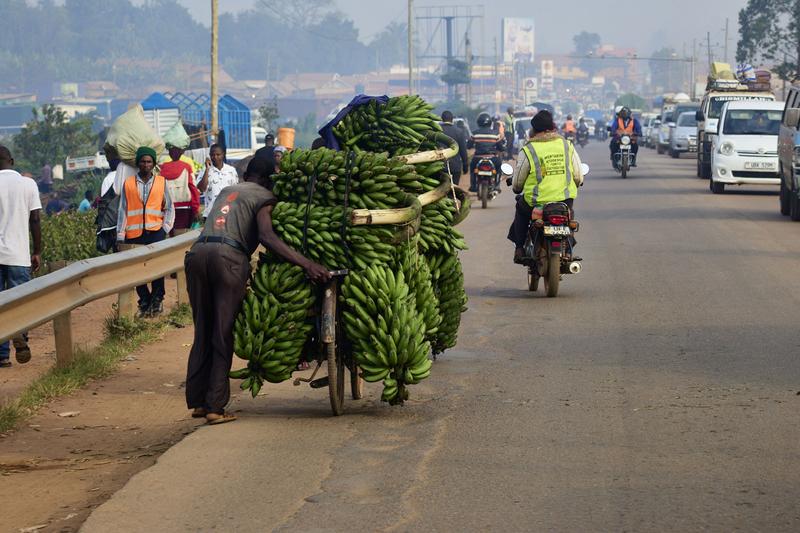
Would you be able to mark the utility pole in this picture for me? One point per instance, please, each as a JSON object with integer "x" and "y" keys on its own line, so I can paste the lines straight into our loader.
{"x": 410, "y": 47}
{"x": 693, "y": 86}
{"x": 214, "y": 64}
{"x": 710, "y": 57}
{"x": 269, "y": 60}
{"x": 726, "y": 39}
{"x": 468, "y": 50}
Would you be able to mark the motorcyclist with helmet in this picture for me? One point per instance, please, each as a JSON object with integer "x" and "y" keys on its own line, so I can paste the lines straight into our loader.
{"x": 548, "y": 170}
{"x": 568, "y": 129}
{"x": 625, "y": 124}
{"x": 487, "y": 141}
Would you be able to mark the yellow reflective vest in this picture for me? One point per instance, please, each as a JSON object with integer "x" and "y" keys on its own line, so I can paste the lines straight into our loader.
{"x": 550, "y": 179}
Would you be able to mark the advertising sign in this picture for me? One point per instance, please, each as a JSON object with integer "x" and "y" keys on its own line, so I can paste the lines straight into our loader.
{"x": 518, "y": 41}
{"x": 531, "y": 89}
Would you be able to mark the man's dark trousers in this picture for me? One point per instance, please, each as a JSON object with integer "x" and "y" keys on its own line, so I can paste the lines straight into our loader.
{"x": 147, "y": 296}
{"x": 509, "y": 145}
{"x": 216, "y": 277}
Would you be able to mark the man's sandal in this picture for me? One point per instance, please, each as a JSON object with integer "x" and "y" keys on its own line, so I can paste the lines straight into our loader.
{"x": 213, "y": 419}
{"x": 199, "y": 412}
{"x": 22, "y": 351}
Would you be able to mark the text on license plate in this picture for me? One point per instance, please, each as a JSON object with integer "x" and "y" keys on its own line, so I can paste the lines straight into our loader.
{"x": 484, "y": 173}
{"x": 557, "y": 230}
{"x": 759, "y": 165}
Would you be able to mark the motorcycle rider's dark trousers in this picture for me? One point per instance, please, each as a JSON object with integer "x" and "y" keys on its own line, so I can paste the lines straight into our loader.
{"x": 518, "y": 231}
{"x": 509, "y": 145}
{"x": 615, "y": 148}
{"x": 473, "y": 178}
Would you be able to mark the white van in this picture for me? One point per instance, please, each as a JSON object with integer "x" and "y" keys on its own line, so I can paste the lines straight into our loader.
{"x": 745, "y": 150}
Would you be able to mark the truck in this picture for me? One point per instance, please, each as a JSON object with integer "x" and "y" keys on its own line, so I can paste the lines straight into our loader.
{"x": 723, "y": 87}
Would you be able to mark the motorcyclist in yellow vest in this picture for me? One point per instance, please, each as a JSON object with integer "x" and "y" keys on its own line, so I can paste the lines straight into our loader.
{"x": 550, "y": 171}
{"x": 509, "y": 124}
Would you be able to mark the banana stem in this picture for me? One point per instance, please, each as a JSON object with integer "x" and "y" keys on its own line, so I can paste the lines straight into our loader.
{"x": 403, "y": 215}
{"x": 439, "y": 154}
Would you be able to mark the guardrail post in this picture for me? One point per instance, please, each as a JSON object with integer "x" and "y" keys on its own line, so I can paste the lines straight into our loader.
{"x": 126, "y": 304}
{"x": 62, "y": 329}
{"x": 183, "y": 293}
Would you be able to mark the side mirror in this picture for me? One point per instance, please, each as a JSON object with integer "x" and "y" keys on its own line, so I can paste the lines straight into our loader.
{"x": 506, "y": 169}
{"x": 793, "y": 117}
{"x": 699, "y": 117}
{"x": 585, "y": 169}
{"x": 657, "y": 123}
{"x": 658, "y": 119}
{"x": 671, "y": 124}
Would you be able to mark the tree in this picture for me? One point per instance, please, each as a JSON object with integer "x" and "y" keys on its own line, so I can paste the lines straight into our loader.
{"x": 664, "y": 71}
{"x": 770, "y": 30}
{"x": 390, "y": 47}
{"x": 50, "y": 137}
{"x": 586, "y": 44}
{"x": 631, "y": 101}
{"x": 268, "y": 114}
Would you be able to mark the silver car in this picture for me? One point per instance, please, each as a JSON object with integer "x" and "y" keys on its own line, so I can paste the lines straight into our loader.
{"x": 684, "y": 137}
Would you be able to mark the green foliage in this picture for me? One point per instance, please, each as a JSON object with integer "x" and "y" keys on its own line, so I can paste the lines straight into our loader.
{"x": 586, "y": 44}
{"x": 50, "y": 137}
{"x": 305, "y": 131}
{"x": 770, "y": 30}
{"x": 631, "y": 101}
{"x": 457, "y": 73}
{"x": 68, "y": 236}
{"x": 268, "y": 115}
{"x": 666, "y": 74}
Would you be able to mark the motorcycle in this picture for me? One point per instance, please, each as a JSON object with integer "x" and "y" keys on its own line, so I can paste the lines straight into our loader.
{"x": 583, "y": 137}
{"x": 548, "y": 250}
{"x": 624, "y": 158}
{"x": 487, "y": 179}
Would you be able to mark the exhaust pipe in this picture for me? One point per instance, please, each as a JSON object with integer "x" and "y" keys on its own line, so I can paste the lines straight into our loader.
{"x": 574, "y": 267}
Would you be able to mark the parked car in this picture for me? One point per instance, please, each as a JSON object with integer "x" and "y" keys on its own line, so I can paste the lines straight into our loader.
{"x": 652, "y": 134}
{"x": 647, "y": 121}
{"x": 745, "y": 149}
{"x": 789, "y": 155}
{"x": 684, "y": 135}
{"x": 668, "y": 124}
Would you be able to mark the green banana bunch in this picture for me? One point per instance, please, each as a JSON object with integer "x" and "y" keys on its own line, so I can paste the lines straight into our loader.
{"x": 375, "y": 181}
{"x": 385, "y": 330}
{"x": 362, "y": 245}
{"x": 271, "y": 329}
{"x": 436, "y": 229}
{"x": 418, "y": 275}
{"x": 448, "y": 284}
{"x": 399, "y": 126}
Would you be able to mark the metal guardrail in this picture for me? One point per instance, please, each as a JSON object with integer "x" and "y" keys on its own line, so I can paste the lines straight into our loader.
{"x": 55, "y": 295}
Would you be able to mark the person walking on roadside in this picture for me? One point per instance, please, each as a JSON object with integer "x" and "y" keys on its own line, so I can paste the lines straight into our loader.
{"x": 509, "y": 122}
{"x": 217, "y": 270}
{"x": 458, "y": 164}
{"x": 266, "y": 151}
{"x": 182, "y": 191}
{"x": 216, "y": 177}
{"x": 146, "y": 214}
{"x": 20, "y": 207}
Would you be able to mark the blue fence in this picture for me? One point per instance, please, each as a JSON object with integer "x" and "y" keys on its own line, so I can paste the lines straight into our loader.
{"x": 232, "y": 115}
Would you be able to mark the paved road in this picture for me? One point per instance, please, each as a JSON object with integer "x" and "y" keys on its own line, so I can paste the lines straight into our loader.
{"x": 658, "y": 392}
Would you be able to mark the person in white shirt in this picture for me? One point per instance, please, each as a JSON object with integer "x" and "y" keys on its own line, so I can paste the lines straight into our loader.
{"x": 19, "y": 215}
{"x": 216, "y": 177}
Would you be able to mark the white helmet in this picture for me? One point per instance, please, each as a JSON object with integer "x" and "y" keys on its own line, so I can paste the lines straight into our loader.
{"x": 618, "y": 109}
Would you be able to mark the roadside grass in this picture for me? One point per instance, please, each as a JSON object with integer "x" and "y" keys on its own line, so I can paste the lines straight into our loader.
{"x": 122, "y": 336}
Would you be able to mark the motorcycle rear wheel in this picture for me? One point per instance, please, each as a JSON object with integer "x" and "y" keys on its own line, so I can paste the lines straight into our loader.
{"x": 483, "y": 192}
{"x": 553, "y": 276}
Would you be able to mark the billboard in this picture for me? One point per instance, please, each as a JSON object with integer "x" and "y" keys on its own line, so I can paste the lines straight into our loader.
{"x": 548, "y": 71}
{"x": 518, "y": 42}
{"x": 531, "y": 89}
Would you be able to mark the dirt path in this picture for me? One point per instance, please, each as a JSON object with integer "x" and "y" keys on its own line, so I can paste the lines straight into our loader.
{"x": 55, "y": 469}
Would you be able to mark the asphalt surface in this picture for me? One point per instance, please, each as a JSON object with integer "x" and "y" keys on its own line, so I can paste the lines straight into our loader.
{"x": 657, "y": 392}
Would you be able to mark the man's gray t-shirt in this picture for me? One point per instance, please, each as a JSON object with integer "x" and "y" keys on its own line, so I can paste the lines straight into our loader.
{"x": 234, "y": 213}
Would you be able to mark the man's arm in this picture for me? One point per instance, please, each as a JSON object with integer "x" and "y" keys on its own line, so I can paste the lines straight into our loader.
{"x": 521, "y": 173}
{"x": 203, "y": 185}
{"x": 169, "y": 212}
{"x": 577, "y": 170}
{"x": 36, "y": 232}
{"x": 317, "y": 273}
{"x": 122, "y": 216}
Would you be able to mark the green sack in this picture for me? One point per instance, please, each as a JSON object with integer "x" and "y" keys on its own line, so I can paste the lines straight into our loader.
{"x": 130, "y": 132}
{"x": 176, "y": 136}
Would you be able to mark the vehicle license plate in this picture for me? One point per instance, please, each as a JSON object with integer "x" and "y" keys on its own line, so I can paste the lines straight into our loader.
{"x": 557, "y": 230}
{"x": 484, "y": 173}
{"x": 759, "y": 165}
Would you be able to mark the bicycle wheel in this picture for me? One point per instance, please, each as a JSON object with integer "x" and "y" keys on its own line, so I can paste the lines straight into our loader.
{"x": 356, "y": 382}
{"x": 336, "y": 365}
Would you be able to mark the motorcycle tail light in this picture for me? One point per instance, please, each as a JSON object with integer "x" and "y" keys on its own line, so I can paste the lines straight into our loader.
{"x": 573, "y": 225}
{"x": 558, "y": 220}
{"x": 485, "y": 167}
{"x": 555, "y": 244}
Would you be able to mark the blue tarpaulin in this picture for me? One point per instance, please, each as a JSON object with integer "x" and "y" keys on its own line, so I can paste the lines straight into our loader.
{"x": 326, "y": 132}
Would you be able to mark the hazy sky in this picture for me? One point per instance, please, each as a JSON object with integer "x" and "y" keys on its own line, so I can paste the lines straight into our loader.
{"x": 643, "y": 24}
